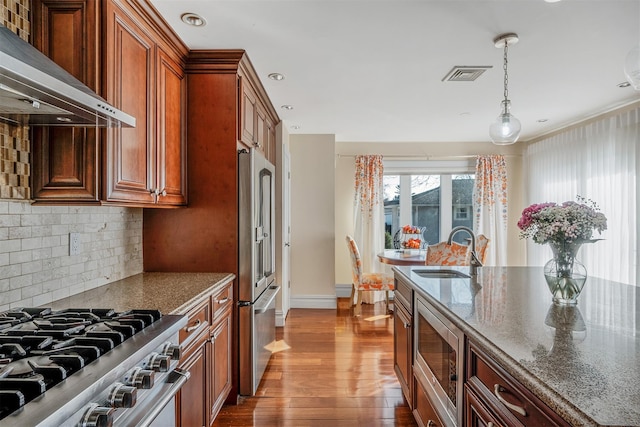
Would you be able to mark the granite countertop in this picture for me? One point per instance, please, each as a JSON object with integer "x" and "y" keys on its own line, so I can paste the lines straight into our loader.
{"x": 582, "y": 361}
{"x": 171, "y": 293}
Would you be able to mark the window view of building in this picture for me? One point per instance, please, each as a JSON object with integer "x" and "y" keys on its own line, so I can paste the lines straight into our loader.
{"x": 429, "y": 195}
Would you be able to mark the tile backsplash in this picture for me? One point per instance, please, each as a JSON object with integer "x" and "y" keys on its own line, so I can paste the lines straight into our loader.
{"x": 14, "y": 140}
{"x": 35, "y": 265}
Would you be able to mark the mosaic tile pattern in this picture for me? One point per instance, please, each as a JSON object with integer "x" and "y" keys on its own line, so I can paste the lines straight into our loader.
{"x": 14, "y": 140}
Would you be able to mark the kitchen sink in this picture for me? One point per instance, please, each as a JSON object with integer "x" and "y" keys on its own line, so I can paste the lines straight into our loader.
{"x": 441, "y": 274}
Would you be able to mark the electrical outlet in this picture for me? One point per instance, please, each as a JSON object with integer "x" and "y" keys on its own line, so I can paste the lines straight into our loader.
{"x": 74, "y": 243}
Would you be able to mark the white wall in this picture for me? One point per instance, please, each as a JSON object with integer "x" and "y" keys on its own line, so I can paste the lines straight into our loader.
{"x": 35, "y": 265}
{"x": 312, "y": 221}
{"x": 345, "y": 191}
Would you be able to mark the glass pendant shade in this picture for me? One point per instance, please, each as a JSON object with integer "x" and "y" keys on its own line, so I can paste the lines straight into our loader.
{"x": 632, "y": 67}
{"x": 506, "y": 128}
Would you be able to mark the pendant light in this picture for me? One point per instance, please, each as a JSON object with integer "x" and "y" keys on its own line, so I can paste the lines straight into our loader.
{"x": 506, "y": 129}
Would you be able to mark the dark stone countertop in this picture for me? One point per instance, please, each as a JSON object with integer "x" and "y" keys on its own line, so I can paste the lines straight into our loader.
{"x": 583, "y": 362}
{"x": 171, "y": 293}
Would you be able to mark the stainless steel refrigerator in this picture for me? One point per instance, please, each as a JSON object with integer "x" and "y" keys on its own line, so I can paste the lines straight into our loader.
{"x": 257, "y": 289}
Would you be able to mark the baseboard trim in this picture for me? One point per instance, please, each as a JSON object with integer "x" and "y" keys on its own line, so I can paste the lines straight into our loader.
{"x": 314, "y": 301}
{"x": 280, "y": 318}
{"x": 343, "y": 290}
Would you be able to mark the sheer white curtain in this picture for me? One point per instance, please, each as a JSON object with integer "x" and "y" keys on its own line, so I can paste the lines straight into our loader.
{"x": 490, "y": 206}
{"x": 598, "y": 161}
{"x": 369, "y": 216}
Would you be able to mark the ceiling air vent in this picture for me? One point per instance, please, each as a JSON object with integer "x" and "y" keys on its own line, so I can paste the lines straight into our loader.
{"x": 464, "y": 73}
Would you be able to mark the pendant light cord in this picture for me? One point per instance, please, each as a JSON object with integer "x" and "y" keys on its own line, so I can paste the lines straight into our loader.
{"x": 506, "y": 79}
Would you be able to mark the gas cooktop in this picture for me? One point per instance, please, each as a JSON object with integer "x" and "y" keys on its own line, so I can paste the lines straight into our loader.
{"x": 41, "y": 348}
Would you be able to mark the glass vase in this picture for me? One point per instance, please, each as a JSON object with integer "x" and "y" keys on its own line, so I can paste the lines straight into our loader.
{"x": 565, "y": 275}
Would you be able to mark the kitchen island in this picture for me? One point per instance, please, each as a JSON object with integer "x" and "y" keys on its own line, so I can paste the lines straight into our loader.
{"x": 582, "y": 362}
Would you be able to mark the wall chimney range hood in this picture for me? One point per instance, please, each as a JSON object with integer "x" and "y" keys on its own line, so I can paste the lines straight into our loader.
{"x": 36, "y": 91}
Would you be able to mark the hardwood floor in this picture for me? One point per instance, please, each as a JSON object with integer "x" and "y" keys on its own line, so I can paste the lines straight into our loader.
{"x": 328, "y": 369}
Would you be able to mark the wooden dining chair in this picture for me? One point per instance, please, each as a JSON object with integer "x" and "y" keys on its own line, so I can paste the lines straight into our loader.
{"x": 366, "y": 281}
{"x": 456, "y": 254}
{"x": 451, "y": 254}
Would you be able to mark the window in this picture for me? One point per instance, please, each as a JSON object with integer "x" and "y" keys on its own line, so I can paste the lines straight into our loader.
{"x": 436, "y": 201}
{"x": 461, "y": 212}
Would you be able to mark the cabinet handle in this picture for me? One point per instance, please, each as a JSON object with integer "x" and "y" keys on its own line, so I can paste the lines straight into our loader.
{"x": 431, "y": 423}
{"x": 407, "y": 325}
{"x": 490, "y": 424}
{"x": 194, "y": 327}
{"x": 223, "y": 300}
{"x": 519, "y": 409}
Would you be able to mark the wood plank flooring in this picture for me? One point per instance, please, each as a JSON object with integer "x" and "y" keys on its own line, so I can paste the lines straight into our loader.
{"x": 328, "y": 369}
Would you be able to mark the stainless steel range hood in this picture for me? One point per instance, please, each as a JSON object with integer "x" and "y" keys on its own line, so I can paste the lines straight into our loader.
{"x": 35, "y": 91}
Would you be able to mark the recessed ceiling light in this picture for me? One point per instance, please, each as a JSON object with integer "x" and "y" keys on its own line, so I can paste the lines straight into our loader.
{"x": 551, "y": 1}
{"x": 542, "y": 120}
{"x": 276, "y": 76}
{"x": 624, "y": 84}
{"x": 287, "y": 107}
{"x": 193, "y": 19}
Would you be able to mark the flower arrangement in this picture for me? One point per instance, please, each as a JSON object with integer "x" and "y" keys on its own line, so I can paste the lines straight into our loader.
{"x": 567, "y": 222}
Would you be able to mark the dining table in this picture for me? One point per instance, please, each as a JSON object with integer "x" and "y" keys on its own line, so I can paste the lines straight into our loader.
{"x": 402, "y": 257}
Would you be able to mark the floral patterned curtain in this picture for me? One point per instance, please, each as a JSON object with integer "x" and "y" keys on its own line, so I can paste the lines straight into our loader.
{"x": 490, "y": 206}
{"x": 369, "y": 212}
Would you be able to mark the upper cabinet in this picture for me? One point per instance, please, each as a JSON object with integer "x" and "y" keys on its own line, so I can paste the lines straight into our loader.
{"x": 144, "y": 164}
{"x": 256, "y": 125}
{"x": 125, "y": 52}
{"x": 65, "y": 160}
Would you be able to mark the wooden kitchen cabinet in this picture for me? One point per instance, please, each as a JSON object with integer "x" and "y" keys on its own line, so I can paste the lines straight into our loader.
{"x": 403, "y": 338}
{"x": 126, "y": 53}
{"x": 256, "y": 129}
{"x": 476, "y": 414}
{"x": 423, "y": 411}
{"x": 207, "y": 343}
{"x": 65, "y": 160}
{"x": 505, "y": 401}
{"x": 145, "y": 165}
{"x": 215, "y": 102}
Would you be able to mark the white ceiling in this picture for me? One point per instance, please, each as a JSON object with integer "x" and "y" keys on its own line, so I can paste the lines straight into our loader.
{"x": 371, "y": 71}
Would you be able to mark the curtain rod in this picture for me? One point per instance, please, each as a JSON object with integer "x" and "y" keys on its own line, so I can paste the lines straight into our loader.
{"x": 427, "y": 157}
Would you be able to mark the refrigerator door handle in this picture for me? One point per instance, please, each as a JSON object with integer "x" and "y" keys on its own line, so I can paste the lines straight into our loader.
{"x": 265, "y": 300}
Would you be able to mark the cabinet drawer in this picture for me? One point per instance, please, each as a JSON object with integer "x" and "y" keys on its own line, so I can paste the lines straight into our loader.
{"x": 514, "y": 404}
{"x": 198, "y": 322}
{"x": 422, "y": 409}
{"x": 221, "y": 301}
{"x": 404, "y": 294}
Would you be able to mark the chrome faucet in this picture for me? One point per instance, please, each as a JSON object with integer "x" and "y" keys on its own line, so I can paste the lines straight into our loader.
{"x": 475, "y": 261}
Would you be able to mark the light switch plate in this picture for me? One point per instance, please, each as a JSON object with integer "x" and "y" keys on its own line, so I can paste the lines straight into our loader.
{"x": 74, "y": 243}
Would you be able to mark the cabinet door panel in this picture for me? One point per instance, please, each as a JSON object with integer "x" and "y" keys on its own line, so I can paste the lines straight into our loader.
{"x": 402, "y": 350}
{"x": 171, "y": 136}
{"x": 220, "y": 365}
{"x": 65, "y": 162}
{"x": 131, "y": 82}
{"x": 190, "y": 402}
{"x": 247, "y": 114}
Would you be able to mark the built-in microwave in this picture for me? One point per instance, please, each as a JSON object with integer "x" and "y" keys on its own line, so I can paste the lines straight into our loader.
{"x": 438, "y": 350}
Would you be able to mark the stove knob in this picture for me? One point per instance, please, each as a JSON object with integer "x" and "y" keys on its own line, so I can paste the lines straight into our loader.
{"x": 123, "y": 396}
{"x": 175, "y": 351}
{"x": 140, "y": 378}
{"x": 158, "y": 362}
{"x": 97, "y": 416}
